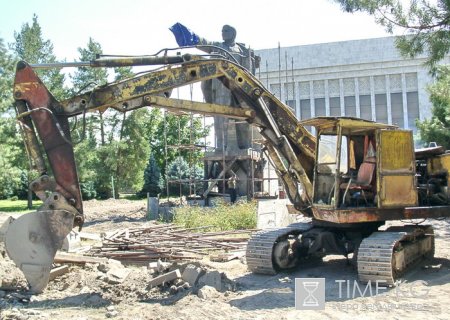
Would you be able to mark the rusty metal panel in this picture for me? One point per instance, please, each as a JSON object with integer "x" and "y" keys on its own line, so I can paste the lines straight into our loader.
{"x": 366, "y": 214}
{"x": 440, "y": 164}
{"x": 396, "y": 169}
{"x": 398, "y": 191}
{"x": 397, "y": 151}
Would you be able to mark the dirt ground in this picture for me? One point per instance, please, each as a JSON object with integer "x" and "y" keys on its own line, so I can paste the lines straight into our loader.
{"x": 84, "y": 293}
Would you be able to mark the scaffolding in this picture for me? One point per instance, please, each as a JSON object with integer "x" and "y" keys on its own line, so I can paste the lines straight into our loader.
{"x": 214, "y": 184}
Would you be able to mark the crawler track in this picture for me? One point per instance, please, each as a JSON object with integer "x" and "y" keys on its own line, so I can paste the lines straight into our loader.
{"x": 385, "y": 256}
{"x": 259, "y": 253}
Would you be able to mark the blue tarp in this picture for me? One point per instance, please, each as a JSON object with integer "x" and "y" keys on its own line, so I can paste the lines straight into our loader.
{"x": 183, "y": 35}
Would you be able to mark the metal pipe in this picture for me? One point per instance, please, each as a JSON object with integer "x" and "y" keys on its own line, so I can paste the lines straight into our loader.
{"x": 116, "y": 62}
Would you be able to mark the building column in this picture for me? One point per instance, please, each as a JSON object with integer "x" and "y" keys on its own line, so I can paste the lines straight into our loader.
{"x": 372, "y": 99}
{"x": 341, "y": 96}
{"x": 311, "y": 99}
{"x": 312, "y": 103}
{"x": 425, "y": 105}
{"x": 388, "y": 99}
{"x": 297, "y": 99}
{"x": 327, "y": 99}
{"x": 405, "y": 103}
{"x": 358, "y": 105}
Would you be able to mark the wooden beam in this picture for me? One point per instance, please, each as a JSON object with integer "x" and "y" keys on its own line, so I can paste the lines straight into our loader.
{"x": 221, "y": 174}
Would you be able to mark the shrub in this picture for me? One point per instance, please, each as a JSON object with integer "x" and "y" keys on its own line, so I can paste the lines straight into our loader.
{"x": 88, "y": 191}
{"x": 222, "y": 217}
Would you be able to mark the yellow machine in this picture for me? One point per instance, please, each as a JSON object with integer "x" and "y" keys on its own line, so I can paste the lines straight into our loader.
{"x": 350, "y": 179}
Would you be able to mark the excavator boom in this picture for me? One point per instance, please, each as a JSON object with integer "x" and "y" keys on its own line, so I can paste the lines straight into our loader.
{"x": 32, "y": 240}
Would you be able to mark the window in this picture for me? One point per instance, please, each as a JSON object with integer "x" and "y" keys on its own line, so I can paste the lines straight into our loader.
{"x": 326, "y": 159}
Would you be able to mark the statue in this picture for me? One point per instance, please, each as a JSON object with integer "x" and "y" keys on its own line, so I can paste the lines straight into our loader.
{"x": 213, "y": 90}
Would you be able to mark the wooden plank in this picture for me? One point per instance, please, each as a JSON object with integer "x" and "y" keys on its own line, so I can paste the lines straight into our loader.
{"x": 74, "y": 258}
{"x": 223, "y": 257}
{"x": 221, "y": 174}
{"x": 90, "y": 236}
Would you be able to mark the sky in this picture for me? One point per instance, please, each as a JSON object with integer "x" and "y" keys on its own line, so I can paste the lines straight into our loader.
{"x": 142, "y": 26}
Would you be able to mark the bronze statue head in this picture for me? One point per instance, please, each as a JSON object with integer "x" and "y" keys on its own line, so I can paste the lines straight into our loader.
{"x": 228, "y": 34}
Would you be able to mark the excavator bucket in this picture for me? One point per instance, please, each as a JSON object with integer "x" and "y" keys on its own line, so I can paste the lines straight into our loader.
{"x": 32, "y": 240}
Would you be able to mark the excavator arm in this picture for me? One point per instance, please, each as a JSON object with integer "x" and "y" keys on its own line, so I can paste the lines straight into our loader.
{"x": 38, "y": 235}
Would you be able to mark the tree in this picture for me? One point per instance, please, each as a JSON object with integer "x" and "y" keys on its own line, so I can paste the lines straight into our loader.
{"x": 6, "y": 79}
{"x": 177, "y": 130}
{"x": 30, "y": 46}
{"x": 12, "y": 162}
{"x": 427, "y": 24}
{"x": 87, "y": 78}
{"x": 178, "y": 170}
{"x": 153, "y": 182}
{"x": 88, "y": 154}
{"x": 437, "y": 129}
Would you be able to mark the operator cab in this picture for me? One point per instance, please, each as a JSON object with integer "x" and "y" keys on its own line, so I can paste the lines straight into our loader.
{"x": 362, "y": 164}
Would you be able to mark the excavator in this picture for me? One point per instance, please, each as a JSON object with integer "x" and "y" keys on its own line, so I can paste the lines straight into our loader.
{"x": 350, "y": 178}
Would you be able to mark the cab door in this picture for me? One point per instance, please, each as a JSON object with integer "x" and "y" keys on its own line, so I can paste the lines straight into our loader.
{"x": 396, "y": 169}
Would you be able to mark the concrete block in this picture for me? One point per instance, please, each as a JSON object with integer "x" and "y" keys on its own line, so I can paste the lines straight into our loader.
{"x": 172, "y": 275}
{"x": 71, "y": 242}
{"x": 191, "y": 274}
{"x": 212, "y": 279}
{"x": 274, "y": 213}
{"x": 59, "y": 271}
{"x": 207, "y": 292}
{"x": 162, "y": 266}
{"x": 107, "y": 265}
{"x": 117, "y": 274}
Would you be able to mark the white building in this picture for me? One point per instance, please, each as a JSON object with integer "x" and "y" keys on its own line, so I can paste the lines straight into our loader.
{"x": 361, "y": 78}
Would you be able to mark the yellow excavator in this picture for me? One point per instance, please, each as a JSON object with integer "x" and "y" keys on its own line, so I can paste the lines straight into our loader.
{"x": 350, "y": 178}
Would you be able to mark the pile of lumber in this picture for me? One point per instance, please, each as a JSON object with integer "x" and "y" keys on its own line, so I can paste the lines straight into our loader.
{"x": 168, "y": 242}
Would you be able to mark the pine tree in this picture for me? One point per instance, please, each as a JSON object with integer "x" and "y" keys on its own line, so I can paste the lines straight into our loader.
{"x": 153, "y": 182}
{"x": 30, "y": 46}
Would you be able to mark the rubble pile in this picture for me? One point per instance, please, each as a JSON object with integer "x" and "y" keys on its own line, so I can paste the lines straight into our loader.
{"x": 139, "y": 245}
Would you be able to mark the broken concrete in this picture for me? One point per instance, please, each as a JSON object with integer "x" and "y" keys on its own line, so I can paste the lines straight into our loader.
{"x": 191, "y": 274}
{"x": 117, "y": 274}
{"x": 107, "y": 265}
{"x": 207, "y": 292}
{"x": 59, "y": 271}
{"x": 167, "y": 277}
{"x": 212, "y": 279}
{"x": 162, "y": 266}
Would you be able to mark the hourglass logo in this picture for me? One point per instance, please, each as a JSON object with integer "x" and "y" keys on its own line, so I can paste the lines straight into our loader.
{"x": 310, "y": 293}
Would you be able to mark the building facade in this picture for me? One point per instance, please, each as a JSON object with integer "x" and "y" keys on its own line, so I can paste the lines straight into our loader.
{"x": 361, "y": 78}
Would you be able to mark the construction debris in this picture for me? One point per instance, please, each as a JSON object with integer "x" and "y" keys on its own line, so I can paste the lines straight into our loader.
{"x": 191, "y": 274}
{"x": 168, "y": 242}
{"x": 167, "y": 277}
{"x": 58, "y": 271}
{"x": 207, "y": 292}
{"x": 76, "y": 259}
{"x": 228, "y": 256}
{"x": 213, "y": 279}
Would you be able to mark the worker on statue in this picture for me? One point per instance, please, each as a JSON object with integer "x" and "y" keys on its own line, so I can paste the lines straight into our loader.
{"x": 213, "y": 90}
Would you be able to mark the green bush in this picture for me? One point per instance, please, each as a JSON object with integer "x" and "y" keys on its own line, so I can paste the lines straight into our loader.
{"x": 222, "y": 217}
{"x": 88, "y": 191}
